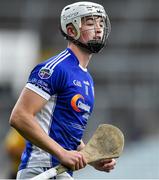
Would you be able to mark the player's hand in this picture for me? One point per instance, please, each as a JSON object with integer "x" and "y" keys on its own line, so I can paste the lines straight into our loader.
{"x": 73, "y": 160}
{"x": 104, "y": 165}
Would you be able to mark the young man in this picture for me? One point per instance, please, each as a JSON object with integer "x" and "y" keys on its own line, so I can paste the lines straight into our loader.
{"x": 53, "y": 108}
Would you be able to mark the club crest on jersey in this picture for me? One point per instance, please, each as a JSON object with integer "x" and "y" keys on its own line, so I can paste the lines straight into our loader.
{"x": 45, "y": 73}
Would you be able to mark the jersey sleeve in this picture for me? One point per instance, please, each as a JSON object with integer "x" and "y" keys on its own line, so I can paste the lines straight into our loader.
{"x": 46, "y": 82}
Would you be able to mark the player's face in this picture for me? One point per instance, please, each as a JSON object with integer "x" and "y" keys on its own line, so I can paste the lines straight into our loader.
{"x": 92, "y": 28}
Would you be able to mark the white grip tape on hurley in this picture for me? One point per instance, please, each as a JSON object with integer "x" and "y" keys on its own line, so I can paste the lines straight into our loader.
{"x": 46, "y": 175}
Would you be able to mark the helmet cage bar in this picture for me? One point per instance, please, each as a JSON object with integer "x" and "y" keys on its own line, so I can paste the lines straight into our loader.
{"x": 94, "y": 25}
{"x": 106, "y": 21}
{"x": 97, "y": 28}
{"x": 91, "y": 47}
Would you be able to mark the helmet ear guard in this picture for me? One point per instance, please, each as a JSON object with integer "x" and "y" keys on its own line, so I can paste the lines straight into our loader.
{"x": 77, "y": 24}
{"x": 73, "y": 14}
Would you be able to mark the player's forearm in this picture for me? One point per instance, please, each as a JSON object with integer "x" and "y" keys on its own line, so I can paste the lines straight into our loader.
{"x": 28, "y": 127}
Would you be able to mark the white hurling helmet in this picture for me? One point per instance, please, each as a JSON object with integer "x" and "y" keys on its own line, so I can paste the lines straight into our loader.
{"x": 73, "y": 13}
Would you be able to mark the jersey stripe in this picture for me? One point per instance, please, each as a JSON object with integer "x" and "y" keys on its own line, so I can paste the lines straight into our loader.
{"x": 52, "y": 59}
{"x": 55, "y": 64}
{"x": 49, "y": 65}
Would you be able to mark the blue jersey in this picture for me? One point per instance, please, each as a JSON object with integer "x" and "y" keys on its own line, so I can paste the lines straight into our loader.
{"x": 69, "y": 91}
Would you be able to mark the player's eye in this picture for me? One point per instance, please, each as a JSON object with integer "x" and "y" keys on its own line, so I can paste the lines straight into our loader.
{"x": 90, "y": 22}
{"x": 102, "y": 23}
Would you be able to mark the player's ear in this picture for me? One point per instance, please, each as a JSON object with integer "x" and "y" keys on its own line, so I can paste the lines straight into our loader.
{"x": 71, "y": 30}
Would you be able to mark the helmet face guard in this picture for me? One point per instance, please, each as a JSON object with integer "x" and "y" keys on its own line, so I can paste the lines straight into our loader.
{"x": 96, "y": 43}
{"x": 76, "y": 14}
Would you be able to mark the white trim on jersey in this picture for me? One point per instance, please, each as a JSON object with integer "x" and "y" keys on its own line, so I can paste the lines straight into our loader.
{"x": 54, "y": 60}
{"x": 38, "y": 91}
{"x": 84, "y": 69}
{"x": 60, "y": 60}
{"x": 44, "y": 116}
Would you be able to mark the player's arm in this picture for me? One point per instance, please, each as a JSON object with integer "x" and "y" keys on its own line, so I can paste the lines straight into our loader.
{"x": 24, "y": 121}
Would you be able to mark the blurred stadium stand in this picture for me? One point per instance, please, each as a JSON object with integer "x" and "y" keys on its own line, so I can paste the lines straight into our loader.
{"x": 126, "y": 73}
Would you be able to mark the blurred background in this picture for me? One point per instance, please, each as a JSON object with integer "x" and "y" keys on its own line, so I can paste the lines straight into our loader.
{"x": 126, "y": 75}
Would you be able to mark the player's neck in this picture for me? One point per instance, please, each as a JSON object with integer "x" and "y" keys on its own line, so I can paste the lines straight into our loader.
{"x": 83, "y": 56}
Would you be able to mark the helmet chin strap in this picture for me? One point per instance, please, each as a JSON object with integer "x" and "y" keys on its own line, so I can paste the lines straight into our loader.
{"x": 92, "y": 46}
{"x": 95, "y": 45}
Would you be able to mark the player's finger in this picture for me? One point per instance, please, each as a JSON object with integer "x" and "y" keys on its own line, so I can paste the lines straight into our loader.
{"x": 108, "y": 167}
{"x": 111, "y": 162}
{"x": 105, "y": 169}
{"x": 106, "y": 161}
{"x": 78, "y": 162}
{"x": 77, "y": 166}
{"x": 84, "y": 161}
{"x": 81, "y": 161}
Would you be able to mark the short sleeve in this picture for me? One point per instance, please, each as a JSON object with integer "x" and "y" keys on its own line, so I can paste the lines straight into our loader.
{"x": 46, "y": 82}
